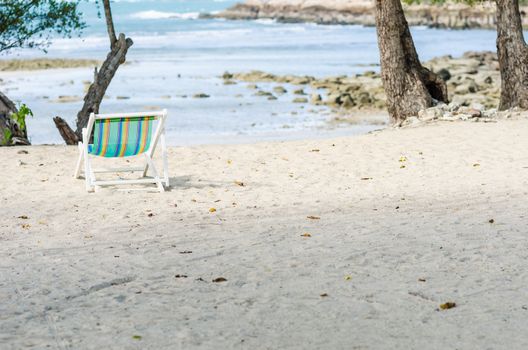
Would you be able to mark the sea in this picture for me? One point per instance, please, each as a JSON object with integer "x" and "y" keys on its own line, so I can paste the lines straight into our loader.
{"x": 177, "y": 55}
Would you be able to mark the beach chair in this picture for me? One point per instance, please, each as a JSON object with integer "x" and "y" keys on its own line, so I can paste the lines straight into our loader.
{"x": 124, "y": 135}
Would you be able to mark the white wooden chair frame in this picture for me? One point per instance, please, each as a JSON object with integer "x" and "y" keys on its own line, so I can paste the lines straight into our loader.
{"x": 159, "y": 135}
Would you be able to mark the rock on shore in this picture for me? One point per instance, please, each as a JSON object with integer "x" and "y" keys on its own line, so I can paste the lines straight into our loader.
{"x": 472, "y": 80}
{"x": 361, "y": 12}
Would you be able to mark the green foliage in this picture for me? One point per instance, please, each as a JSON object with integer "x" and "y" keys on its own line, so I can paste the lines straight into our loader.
{"x": 7, "y": 137}
{"x": 20, "y": 116}
{"x": 31, "y": 23}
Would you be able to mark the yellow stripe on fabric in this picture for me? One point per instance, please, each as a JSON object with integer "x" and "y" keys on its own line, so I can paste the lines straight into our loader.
{"x": 106, "y": 136}
{"x": 124, "y": 142}
{"x": 144, "y": 137}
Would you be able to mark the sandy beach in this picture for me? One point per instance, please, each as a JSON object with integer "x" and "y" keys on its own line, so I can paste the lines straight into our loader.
{"x": 345, "y": 243}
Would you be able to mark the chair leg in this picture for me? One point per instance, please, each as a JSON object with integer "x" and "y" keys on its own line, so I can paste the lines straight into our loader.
{"x": 155, "y": 172}
{"x": 145, "y": 171}
{"x": 79, "y": 162}
{"x": 88, "y": 174}
{"x": 165, "y": 161}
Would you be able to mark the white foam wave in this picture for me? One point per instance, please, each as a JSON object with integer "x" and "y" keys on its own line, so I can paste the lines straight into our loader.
{"x": 152, "y": 14}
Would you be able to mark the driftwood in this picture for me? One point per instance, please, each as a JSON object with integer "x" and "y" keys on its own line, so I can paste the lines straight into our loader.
{"x": 102, "y": 79}
{"x": 66, "y": 132}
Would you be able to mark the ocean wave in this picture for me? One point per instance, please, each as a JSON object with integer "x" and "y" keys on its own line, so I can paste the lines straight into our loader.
{"x": 152, "y": 14}
{"x": 266, "y": 21}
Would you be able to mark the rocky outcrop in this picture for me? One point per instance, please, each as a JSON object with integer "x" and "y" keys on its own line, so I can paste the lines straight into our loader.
{"x": 451, "y": 15}
{"x": 11, "y": 133}
{"x": 453, "y": 112}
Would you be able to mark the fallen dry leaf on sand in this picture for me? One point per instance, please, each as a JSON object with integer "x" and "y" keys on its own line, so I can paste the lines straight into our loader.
{"x": 212, "y": 210}
{"x": 219, "y": 280}
{"x": 448, "y": 305}
{"x": 348, "y": 278}
{"x": 366, "y": 178}
{"x": 311, "y": 217}
{"x": 240, "y": 183}
{"x": 307, "y": 235}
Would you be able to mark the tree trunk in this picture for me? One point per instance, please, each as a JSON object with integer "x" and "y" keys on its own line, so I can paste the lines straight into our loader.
{"x": 109, "y": 23}
{"x": 408, "y": 85}
{"x": 102, "y": 79}
{"x": 513, "y": 55}
{"x": 11, "y": 134}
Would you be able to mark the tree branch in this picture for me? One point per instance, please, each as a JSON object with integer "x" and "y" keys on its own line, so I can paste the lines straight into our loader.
{"x": 109, "y": 23}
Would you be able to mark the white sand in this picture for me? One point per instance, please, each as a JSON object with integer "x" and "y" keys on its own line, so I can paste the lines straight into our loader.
{"x": 91, "y": 271}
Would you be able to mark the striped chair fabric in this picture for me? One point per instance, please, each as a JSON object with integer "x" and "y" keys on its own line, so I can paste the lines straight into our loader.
{"x": 121, "y": 137}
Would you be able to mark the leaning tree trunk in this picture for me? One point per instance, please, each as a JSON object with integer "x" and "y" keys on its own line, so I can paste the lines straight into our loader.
{"x": 102, "y": 79}
{"x": 513, "y": 55}
{"x": 408, "y": 85}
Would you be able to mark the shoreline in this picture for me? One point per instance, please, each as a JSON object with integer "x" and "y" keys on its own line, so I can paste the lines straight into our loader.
{"x": 344, "y": 102}
{"x": 361, "y": 12}
{"x": 32, "y": 64}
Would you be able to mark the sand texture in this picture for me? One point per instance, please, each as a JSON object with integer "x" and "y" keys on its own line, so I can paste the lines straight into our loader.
{"x": 348, "y": 243}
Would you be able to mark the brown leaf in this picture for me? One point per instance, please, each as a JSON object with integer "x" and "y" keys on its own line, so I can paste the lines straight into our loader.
{"x": 212, "y": 210}
{"x": 240, "y": 183}
{"x": 448, "y": 305}
{"x": 311, "y": 217}
{"x": 324, "y": 295}
{"x": 315, "y": 150}
{"x": 366, "y": 178}
{"x": 219, "y": 280}
{"x": 23, "y": 217}
{"x": 306, "y": 235}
